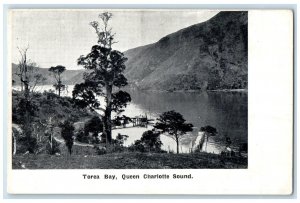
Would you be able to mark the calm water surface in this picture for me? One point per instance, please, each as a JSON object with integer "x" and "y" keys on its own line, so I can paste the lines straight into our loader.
{"x": 226, "y": 111}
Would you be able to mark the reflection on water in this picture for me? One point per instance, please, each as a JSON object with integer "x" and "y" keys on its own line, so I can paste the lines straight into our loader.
{"x": 226, "y": 111}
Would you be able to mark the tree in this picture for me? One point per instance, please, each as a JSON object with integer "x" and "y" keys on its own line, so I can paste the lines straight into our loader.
{"x": 120, "y": 139}
{"x": 26, "y": 71}
{"x": 25, "y": 111}
{"x": 37, "y": 79}
{"x": 151, "y": 140}
{"x": 106, "y": 67}
{"x": 174, "y": 124}
{"x": 26, "y": 108}
{"x": 57, "y": 71}
{"x": 67, "y": 132}
{"x": 23, "y": 71}
{"x": 49, "y": 132}
{"x": 16, "y": 135}
{"x": 95, "y": 126}
{"x": 208, "y": 131}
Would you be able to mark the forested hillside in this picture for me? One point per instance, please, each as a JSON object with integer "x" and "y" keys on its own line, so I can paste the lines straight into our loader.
{"x": 210, "y": 55}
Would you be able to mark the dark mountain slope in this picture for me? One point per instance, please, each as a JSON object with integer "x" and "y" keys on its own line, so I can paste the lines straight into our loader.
{"x": 208, "y": 55}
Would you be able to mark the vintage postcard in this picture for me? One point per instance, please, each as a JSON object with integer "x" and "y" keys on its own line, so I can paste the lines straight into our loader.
{"x": 144, "y": 101}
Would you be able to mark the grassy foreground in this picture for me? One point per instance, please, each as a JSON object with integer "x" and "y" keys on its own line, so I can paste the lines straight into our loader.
{"x": 128, "y": 160}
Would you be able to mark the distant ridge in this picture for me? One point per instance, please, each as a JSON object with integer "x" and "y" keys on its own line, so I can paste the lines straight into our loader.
{"x": 69, "y": 77}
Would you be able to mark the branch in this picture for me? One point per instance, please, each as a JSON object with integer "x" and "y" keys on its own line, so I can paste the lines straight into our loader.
{"x": 101, "y": 109}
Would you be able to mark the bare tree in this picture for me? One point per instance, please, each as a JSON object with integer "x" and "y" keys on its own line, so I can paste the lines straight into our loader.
{"x": 26, "y": 71}
{"x": 29, "y": 78}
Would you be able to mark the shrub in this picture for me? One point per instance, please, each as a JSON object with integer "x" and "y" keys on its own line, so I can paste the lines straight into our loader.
{"x": 67, "y": 132}
{"x": 116, "y": 149}
{"x": 137, "y": 146}
{"x": 27, "y": 143}
{"x": 55, "y": 147}
{"x": 94, "y": 126}
{"x": 100, "y": 150}
{"x": 120, "y": 139}
{"x": 81, "y": 137}
{"x": 151, "y": 140}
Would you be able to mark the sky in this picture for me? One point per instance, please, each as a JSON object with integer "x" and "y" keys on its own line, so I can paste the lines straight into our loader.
{"x": 59, "y": 37}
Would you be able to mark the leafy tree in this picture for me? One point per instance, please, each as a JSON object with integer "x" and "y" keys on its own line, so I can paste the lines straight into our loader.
{"x": 67, "y": 132}
{"x": 106, "y": 67}
{"x": 151, "y": 140}
{"x": 120, "y": 139}
{"x": 26, "y": 111}
{"x": 119, "y": 101}
{"x": 174, "y": 124}
{"x": 208, "y": 131}
{"x": 29, "y": 143}
{"x": 137, "y": 146}
{"x": 57, "y": 71}
{"x": 85, "y": 95}
{"x": 81, "y": 137}
{"x": 95, "y": 126}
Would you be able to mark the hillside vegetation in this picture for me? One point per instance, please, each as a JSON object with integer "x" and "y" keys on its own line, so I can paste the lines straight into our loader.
{"x": 210, "y": 55}
{"x": 129, "y": 160}
{"x": 48, "y": 105}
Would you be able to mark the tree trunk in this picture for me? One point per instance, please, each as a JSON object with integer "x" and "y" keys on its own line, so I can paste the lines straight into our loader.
{"x": 107, "y": 121}
{"x": 70, "y": 150}
{"x": 59, "y": 84}
{"x": 14, "y": 143}
{"x": 26, "y": 81}
{"x": 27, "y": 121}
{"x": 177, "y": 142}
{"x": 51, "y": 142}
{"x": 26, "y": 90}
{"x": 206, "y": 143}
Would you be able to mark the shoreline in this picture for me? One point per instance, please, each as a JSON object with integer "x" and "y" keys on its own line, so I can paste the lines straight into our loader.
{"x": 229, "y": 90}
{"x": 16, "y": 87}
{"x": 190, "y": 91}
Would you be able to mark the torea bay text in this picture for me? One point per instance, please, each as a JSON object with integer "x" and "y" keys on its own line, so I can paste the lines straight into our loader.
{"x": 136, "y": 177}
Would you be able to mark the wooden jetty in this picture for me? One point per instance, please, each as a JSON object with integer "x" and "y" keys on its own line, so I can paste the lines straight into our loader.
{"x": 137, "y": 121}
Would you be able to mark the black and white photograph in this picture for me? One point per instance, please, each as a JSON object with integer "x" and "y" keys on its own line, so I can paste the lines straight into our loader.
{"x": 148, "y": 100}
{"x": 129, "y": 89}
